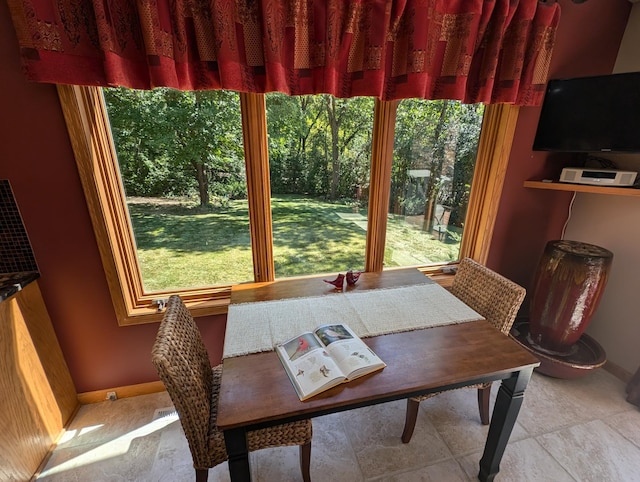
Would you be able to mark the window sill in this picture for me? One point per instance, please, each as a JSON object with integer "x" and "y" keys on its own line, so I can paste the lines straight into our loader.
{"x": 443, "y": 279}
{"x": 149, "y": 313}
{"x": 198, "y": 305}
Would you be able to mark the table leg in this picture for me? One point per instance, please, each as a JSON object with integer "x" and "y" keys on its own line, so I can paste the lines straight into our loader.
{"x": 238, "y": 451}
{"x": 505, "y": 413}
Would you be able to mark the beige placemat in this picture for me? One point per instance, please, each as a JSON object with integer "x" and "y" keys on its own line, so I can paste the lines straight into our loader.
{"x": 255, "y": 327}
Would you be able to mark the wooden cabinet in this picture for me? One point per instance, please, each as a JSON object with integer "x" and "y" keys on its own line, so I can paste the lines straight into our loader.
{"x": 37, "y": 394}
{"x": 561, "y": 186}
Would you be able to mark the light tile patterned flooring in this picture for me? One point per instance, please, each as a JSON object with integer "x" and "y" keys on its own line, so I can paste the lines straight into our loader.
{"x": 568, "y": 430}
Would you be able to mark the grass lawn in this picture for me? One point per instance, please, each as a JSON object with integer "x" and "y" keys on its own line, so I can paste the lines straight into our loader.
{"x": 180, "y": 246}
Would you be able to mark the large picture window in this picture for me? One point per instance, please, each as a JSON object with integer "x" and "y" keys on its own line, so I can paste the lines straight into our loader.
{"x": 434, "y": 157}
{"x": 181, "y": 162}
{"x": 319, "y": 160}
{"x": 278, "y": 186}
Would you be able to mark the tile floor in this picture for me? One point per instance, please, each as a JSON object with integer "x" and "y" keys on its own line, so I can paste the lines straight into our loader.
{"x": 568, "y": 430}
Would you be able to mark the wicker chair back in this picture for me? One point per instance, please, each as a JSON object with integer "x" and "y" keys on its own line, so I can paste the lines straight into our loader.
{"x": 495, "y": 297}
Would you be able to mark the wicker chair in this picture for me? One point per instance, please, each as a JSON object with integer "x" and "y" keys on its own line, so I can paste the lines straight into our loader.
{"x": 497, "y": 299}
{"x": 182, "y": 362}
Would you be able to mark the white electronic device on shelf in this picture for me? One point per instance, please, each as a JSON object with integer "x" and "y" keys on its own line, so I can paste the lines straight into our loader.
{"x": 598, "y": 177}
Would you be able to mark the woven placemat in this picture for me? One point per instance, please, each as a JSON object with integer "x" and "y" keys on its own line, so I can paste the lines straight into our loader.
{"x": 255, "y": 327}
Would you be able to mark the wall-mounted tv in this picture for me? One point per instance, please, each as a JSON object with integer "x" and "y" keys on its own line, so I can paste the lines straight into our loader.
{"x": 591, "y": 114}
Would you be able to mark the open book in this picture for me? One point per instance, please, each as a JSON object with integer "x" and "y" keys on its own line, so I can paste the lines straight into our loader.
{"x": 331, "y": 354}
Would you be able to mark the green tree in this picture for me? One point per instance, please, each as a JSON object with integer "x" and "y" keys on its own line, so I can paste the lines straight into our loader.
{"x": 318, "y": 144}
{"x": 439, "y": 137}
{"x": 178, "y": 143}
{"x": 207, "y": 140}
{"x": 468, "y": 127}
{"x": 173, "y": 143}
{"x": 416, "y": 122}
{"x": 435, "y": 165}
{"x": 141, "y": 149}
{"x": 349, "y": 122}
{"x": 291, "y": 121}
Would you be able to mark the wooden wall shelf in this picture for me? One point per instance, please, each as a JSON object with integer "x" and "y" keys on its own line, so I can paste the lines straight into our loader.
{"x": 561, "y": 186}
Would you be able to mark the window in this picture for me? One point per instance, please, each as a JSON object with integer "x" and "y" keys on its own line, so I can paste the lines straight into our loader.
{"x": 89, "y": 131}
{"x": 182, "y": 166}
{"x": 434, "y": 157}
{"x": 319, "y": 159}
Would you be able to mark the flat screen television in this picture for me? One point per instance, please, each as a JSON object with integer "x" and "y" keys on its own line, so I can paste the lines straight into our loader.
{"x": 591, "y": 114}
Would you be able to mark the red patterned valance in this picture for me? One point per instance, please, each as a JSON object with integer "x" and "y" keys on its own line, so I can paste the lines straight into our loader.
{"x": 491, "y": 51}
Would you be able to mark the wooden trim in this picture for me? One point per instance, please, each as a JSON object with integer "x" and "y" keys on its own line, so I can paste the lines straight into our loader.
{"x": 86, "y": 122}
{"x": 384, "y": 123}
{"x": 560, "y": 186}
{"x": 256, "y": 154}
{"x": 617, "y": 371}
{"x": 88, "y": 126}
{"x": 126, "y": 391}
{"x": 494, "y": 147}
{"x": 443, "y": 279}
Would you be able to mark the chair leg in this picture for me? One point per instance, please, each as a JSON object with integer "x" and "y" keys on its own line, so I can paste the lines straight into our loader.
{"x": 410, "y": 420}
{"x": 484, "y": 394}
{"x": 305, "y": 461}
{"x": 202, "y": 475}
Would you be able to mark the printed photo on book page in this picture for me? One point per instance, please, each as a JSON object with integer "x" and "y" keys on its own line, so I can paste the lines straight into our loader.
{"x": 330, "y": 355}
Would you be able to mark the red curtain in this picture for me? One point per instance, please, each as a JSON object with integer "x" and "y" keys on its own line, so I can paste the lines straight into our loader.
{"x": 491, "y": 51}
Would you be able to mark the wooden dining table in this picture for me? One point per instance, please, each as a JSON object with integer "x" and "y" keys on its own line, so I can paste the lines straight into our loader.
{"x": 256, "y": 393}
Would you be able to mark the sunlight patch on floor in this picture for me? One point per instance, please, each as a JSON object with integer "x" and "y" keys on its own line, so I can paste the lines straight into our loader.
{"x": 113, "y": 448}
{"x": 72, "y": 434}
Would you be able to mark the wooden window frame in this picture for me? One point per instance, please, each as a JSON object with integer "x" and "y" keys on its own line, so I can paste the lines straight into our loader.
{"x": 87, "y": 122}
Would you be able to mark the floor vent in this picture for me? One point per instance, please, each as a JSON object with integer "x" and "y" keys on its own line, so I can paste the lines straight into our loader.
{"x": 164, "y": 413}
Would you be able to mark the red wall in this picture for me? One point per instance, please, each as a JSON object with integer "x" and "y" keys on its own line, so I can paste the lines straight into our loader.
{"x": 586, "y": 44}
{"x": 36, "y": 156}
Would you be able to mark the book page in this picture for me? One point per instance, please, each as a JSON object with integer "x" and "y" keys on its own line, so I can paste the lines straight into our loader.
{"x": 308, "y": 365}
{"x": 350, "y": 353}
